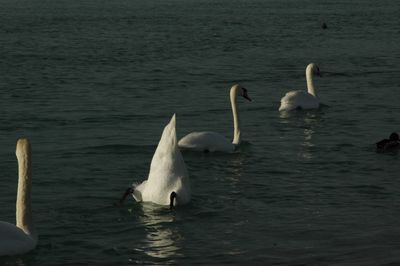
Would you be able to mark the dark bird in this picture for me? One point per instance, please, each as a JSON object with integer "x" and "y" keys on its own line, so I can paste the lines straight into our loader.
{"x": 389, "y": 144}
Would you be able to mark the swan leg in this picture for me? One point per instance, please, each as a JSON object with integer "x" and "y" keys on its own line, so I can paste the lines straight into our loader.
{"x": 128, "y": 192}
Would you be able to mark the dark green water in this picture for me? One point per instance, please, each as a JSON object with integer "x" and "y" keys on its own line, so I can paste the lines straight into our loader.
{"x": 92, "y": 84}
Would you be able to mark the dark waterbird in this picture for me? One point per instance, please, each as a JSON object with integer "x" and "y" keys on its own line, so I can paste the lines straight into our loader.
{"x": 389, "y": 144}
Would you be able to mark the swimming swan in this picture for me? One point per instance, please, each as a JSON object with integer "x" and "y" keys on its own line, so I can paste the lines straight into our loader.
{"x": 22, "y": 237}
{"x": 212, "y": 141}
{"x": 301, "y": 99}
{"x": 168, "y": 181}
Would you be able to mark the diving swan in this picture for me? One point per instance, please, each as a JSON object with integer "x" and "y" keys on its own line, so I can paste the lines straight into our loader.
{"x": 20, "y": 238}
{"x": 168, "y": 180}
{"x": 301, "y": 99}
{"x": 211, "y": 141}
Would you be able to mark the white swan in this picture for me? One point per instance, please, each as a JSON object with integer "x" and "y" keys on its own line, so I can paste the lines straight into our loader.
{"x": 168, "y": 181}
{"x": 212, "y": 141}
{"x": 22, "y": 237}
{"x": 301, "y": 99}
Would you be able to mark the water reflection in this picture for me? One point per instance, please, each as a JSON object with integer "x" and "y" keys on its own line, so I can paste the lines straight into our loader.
{"x": 235, "y": 167}
{"x": 162, "y": 239}
{"x": 308, "y": 122}
{"x": 14, "y": 261}
{"x": 306, "y": 151}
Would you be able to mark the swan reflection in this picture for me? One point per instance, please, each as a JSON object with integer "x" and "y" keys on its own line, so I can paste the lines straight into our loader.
{"x": 311, "y": 120}
{"x": 162, "y": 240}
{"x": 234, "y": 168}
{"x": 306, "y": 151}
{"x": 308, "y": 122}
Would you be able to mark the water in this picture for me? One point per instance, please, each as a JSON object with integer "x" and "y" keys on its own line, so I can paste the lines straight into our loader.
{"x": 92, "y": 84}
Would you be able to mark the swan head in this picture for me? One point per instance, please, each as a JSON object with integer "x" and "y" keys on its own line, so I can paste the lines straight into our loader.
{"x": 313, "y": 69}
{"x": 241, "y": 91}
{"x": 23, "y": 149}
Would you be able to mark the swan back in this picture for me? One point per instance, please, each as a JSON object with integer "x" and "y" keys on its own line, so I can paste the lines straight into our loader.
{"x": 167, "y": 171}
{"x": 206, "y": 141}
{"x": 298, "y": 99}
{"x": 13, "y": 240}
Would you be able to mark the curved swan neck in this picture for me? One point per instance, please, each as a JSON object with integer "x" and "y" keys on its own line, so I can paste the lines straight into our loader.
{"x": 23, "y": 208}
{"x": 236, "y": 128}
{"x": 310, "y": 83}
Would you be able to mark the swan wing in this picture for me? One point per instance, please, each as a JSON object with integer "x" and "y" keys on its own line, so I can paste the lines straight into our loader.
{"x": 167, "y": 171}
{"x": 206, "y": 141}
{"x": 298, "y": 99}
{"x": 14, "y": 240}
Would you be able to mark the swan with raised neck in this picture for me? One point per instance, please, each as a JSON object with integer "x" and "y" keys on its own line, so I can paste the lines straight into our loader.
{"x": 209, "y": 141}
{"x": 20, "y": 238}
{"x": 301, "y": 99}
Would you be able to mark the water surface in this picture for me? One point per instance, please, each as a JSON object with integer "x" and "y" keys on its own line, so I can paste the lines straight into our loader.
{"x": 92, "y": 84}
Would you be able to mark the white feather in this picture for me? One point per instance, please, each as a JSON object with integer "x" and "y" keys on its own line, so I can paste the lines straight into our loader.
{"x": 302, "y": 99}
{"x": 167, "y": 172}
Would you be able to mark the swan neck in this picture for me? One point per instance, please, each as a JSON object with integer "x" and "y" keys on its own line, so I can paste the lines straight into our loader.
{"x": 310, "y": 83}
{"x": 23, "y": 206}
{"x": 236, "y": 128}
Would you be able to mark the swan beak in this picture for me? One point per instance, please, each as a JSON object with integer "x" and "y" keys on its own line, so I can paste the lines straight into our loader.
{"x": 246, "y": 96}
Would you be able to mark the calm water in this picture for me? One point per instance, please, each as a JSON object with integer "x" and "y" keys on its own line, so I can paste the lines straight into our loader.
{"x": 92, "y": 84}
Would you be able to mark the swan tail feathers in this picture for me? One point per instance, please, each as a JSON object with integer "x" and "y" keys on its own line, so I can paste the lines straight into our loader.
{"x": 138, "y": 191}
{"x": 168, "y": 138}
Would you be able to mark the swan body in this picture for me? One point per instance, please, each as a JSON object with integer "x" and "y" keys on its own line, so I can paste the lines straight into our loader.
{"x": 167, "y": 174}
{"x": 206, "y": 141}
{"x": 303, "y": 99}
{"x": 14, "y": 241}
{"x": 20, "y": 238}
{"x": 212, "y": 141}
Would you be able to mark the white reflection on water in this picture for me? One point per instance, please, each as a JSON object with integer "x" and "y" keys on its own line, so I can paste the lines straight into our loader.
{"x": 308, "y": 121}
{"x": 307, "y": 144}
{"x": 161, "y": 240}
{"x": 311, "y": 120}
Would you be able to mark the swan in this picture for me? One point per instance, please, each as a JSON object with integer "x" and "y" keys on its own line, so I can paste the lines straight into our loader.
{"x": 20, "y": 238}
{"x": 301, "y": 99}
{"x": 168, "y": 180}
{"x": 211, "y": 141}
